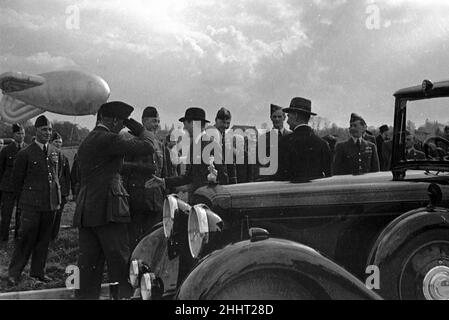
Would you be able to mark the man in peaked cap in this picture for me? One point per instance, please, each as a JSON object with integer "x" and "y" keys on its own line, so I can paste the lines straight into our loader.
{"x": 102, "y": 207}
{"x": 356, "y": 156}
{"x": 36, "y": 180}
{"x": 8, "y": 196}
{"x": 367, "y": 135}
{"x": 64, "y": 181}
{"x": 303, "y": 155}
{"x": 145, "y": 204}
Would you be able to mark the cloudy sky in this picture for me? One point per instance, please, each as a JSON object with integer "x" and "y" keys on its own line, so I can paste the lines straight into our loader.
{"x": 345, "y": 55}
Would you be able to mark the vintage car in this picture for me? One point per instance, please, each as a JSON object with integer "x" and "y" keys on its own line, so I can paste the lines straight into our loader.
{"x": 320, "y": 239}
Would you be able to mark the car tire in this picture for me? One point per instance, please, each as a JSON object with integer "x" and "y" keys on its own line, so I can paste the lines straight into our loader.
{"x": 406, "y": 273}
{"x": 269, "y": 285}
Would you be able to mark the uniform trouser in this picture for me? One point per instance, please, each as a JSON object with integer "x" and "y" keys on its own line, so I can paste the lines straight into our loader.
{"x": 7, "y": 208}
{"x": 34, "y": 238}
{"x": 57, "y": 222}
{"x": 140, "y": 225}
{"x": 97, "y": 244}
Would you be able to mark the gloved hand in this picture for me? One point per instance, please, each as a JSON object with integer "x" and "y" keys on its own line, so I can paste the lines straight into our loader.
{"x": 134, "y": 127}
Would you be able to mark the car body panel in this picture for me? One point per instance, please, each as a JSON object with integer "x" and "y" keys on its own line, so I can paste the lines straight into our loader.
{"x": 322, "y": 277}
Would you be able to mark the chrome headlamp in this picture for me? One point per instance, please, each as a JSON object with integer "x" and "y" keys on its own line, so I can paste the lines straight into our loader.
{"x": 134, "y": 273}
{"x": 151, "y": 287}
{"x": 172, "y": 207}
{"x": 203, "y": 225}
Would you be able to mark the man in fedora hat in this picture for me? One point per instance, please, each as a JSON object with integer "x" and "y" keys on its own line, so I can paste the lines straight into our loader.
{"x": 102, "y": 207}
{"x": 356, "y": 156}
{"x": 8, "y": 196}
{"x": 303, "y": 155}
{"x": 196, "y": 170}
{"x": 145, "y": 204}
{"x": 381, "y": 139}
{"x": 36, "y": 181}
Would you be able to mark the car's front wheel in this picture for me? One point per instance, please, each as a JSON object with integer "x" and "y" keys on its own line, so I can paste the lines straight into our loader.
{"x": 267, "y": 285}
{"x": 419, "y": 270}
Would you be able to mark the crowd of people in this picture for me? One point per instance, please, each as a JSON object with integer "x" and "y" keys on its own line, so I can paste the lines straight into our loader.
{"x": 119, "y": 181}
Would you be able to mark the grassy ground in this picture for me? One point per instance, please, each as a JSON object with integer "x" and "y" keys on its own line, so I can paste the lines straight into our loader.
{"x": 62, "y": 253}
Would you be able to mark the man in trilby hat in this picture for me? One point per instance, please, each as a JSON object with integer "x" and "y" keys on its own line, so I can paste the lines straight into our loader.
{"x": 102, "y": 206}
{"x": 8, "y": 196}
{"x": 303, "y": 155}
{"x": 145, "y": 204}
{"x": 36, "y": 182}
{"x": 357, "y": 155}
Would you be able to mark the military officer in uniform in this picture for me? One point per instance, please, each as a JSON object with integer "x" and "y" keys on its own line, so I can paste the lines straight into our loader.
{"x": 35, "y": 179}
{"x": 410, "y": 152}
{"x": 102, "y": 207}
{"x": 145, "y": 204}
{"x": 302, "y": 154}
{"x": 356, "y": 156}
{"x": 8, "y": 196}
{"x": 64, "y": 181}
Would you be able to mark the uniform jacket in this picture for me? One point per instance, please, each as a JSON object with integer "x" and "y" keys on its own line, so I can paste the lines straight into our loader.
{"x": 64, "y": 178}
{"x": 304, "y": 155}
{"x": 75, "y": 176}
{"x": 7, "y": 158}
{"x": 379, "y": 144}
{"x": 196, "y": 174}
{"x": 102, "y": 197}
{"x": 36, "y": 178}
{"x": 350, "y": 160}
{"x": 139, "y": 169}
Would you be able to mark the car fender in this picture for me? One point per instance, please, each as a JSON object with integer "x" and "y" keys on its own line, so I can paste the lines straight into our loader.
{"x": 152, "y": 251}
{"x": 326, "y": 279}
{"x": 403, "y": 228}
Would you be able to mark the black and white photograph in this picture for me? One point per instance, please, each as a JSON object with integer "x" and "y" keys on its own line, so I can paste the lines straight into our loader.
{"x": 224, "y": 155}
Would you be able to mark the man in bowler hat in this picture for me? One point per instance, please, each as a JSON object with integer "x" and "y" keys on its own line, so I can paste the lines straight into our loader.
{"x": 9, "y": 197}
{"x": 356, "y": 156}
{"x": 145, "y": 204}
{"x": 303, "y": 155}
{"x": 36, "y": 181}
{"x": 196, "y": 170}
{"x": 102, "y": 207}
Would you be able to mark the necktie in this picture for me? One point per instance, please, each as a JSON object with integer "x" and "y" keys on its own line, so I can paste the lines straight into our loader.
{"x": 45, "y": 149}
{"x": 358, "y": 144}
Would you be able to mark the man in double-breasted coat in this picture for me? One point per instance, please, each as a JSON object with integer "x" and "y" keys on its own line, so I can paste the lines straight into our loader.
{"x": 102, "y": 206}
{"x": 9, "y": 197}
{"x": 35, "y": 179}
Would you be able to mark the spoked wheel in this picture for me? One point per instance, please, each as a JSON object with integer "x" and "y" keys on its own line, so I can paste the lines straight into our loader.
{"x": 420, "y": 270}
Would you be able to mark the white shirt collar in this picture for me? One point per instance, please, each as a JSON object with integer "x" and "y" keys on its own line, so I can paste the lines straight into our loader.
{"x": 355, "y": 139}
{"x": 41, "y": 145}
{"x": 103, "y": 126}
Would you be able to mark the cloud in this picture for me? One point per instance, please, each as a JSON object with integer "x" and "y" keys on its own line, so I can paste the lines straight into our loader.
{"x": 13, "y": 19}
{"x": 45, "y": 60}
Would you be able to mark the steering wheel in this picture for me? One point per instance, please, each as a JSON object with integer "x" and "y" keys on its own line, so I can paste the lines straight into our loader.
{"x": 431, "y": 144}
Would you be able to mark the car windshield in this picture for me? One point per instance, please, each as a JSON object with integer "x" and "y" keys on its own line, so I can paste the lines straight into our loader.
{"x": 427, "y": 134}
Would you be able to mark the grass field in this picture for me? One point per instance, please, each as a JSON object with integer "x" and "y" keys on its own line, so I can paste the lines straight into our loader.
{"x": 62, "y": 253}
